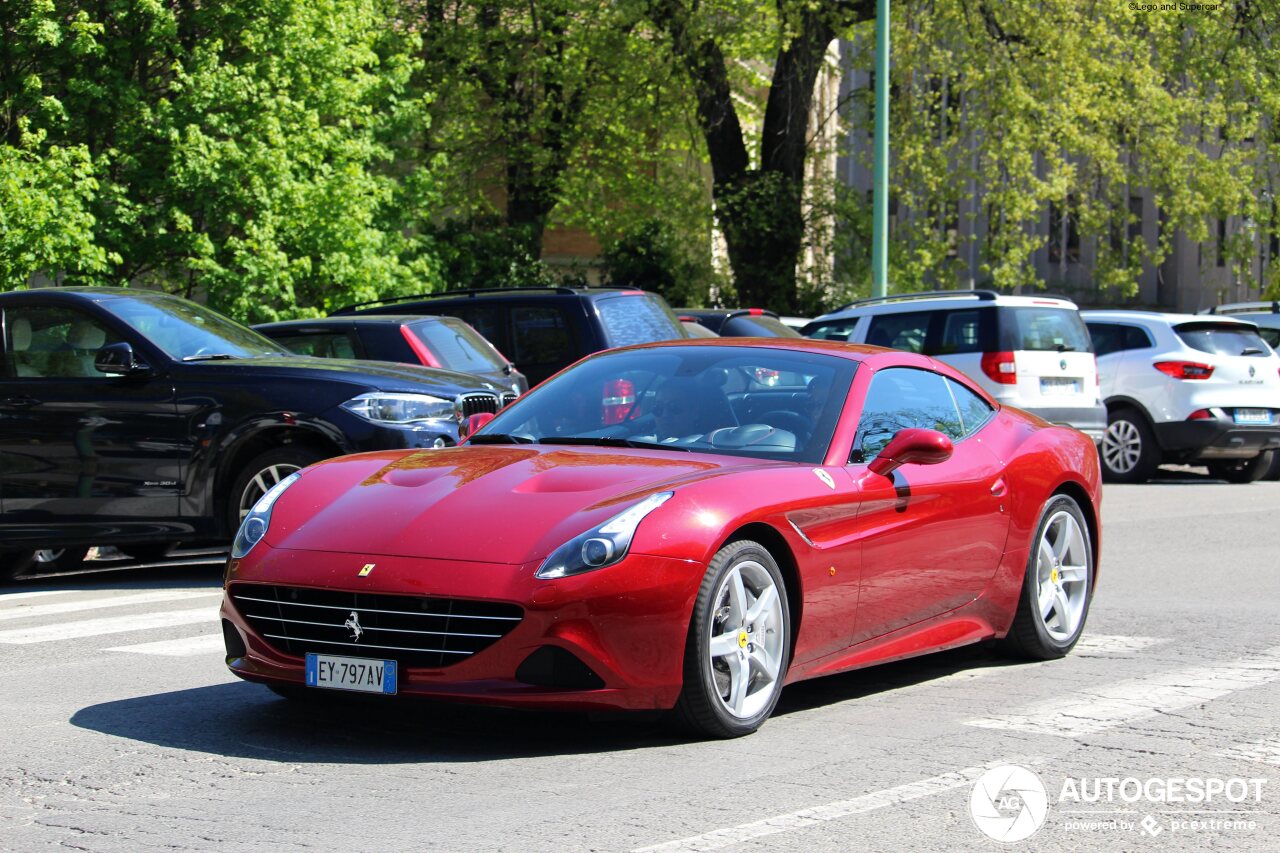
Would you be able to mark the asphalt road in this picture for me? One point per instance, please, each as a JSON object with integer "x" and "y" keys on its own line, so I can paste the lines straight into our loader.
{"x": 124, "y": 732}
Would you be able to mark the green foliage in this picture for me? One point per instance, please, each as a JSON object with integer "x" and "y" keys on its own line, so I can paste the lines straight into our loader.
{"x": 653, "y": 256}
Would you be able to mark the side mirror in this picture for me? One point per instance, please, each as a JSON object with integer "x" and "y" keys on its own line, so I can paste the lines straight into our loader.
{"x": 118, "y": 360}
{"x": 476, "y": 421}
{"x": 912, "y": 446}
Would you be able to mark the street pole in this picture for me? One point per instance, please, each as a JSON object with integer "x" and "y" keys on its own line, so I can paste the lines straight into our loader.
{"x": 880, "y": 192}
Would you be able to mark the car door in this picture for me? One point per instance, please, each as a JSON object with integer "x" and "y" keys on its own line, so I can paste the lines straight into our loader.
{"x": 82, "y": 453}
{"x": 933, "y": 535}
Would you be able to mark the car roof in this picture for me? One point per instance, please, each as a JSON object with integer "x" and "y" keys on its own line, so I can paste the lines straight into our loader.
{"x": 95, "y": 294}
{"x": 904, "y": 302}
{"x": 725, "y": 312}
{"x": 499, "y": 293}
{"x": 358, "y": 319}
{"x": 1159, "y": 318}
{"x": 1272, "y": 307}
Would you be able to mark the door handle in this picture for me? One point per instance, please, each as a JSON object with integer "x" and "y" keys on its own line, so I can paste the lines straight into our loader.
{"x": 21, "y": 402}
{"x": 998, "y": 488}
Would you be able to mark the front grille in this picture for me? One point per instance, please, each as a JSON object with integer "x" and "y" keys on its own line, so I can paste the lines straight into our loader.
{"x": 476, "y": 404}
{"x": 508, "y": 397}
{"x": 415, "y": 631}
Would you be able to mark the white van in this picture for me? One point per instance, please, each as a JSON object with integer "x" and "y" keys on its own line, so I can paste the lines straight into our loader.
{"x": 1031, "y": 352}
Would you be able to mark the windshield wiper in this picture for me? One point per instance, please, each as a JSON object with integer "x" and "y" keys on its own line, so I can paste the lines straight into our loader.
{"x": 597, "y": 441}
{"x": 501, "y": 438}
{"x": 215, "y": 356}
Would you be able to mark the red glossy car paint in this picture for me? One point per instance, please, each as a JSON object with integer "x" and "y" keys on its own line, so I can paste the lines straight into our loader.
{"x": 876, "y": 569}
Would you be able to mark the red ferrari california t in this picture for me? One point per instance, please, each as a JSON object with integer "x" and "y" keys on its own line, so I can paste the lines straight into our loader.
{"x": 688, "y": 526}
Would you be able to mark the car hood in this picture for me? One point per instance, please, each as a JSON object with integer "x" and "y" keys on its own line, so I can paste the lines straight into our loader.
{"x": 380, "y": 375}
{"x": 496, "y": 504}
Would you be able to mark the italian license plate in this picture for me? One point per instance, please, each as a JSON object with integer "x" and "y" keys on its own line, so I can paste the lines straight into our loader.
{"x": 1253, "y": 416}
{"x": 1060, "y": 384}
{"x": 364, "y": 675}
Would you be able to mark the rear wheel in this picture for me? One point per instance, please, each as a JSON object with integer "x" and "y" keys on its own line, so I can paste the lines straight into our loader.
{"x": 1242, "y": 470}
{"x": 263, "y": 472}
{"x": 1058, "y": 585}
{"x": 15, "y": 564}
{"x": 739, "y": 643}
{"x": 1128, "y": 452}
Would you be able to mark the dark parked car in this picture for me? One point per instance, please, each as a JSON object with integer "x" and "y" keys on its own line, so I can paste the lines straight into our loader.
{"x": 740, "y": 322}
{"x": 430, "y": 341}
{"x": 545, "y": 329}
{"x": 137, "y": 419}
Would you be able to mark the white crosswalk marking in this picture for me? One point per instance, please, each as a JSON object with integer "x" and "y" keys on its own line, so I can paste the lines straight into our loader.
{"x": 35, "y": 593}
{"x": 109, "y": 625}
{"x": 201, "y": 644}
{"x": 35, "y": 610}
{"x": 1127, "y": 701}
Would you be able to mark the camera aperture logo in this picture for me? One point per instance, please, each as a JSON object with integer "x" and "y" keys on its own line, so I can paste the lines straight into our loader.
{"x": 1009, "y": 803}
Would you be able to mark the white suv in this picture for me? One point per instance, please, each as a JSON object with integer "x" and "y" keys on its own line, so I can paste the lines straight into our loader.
{"x": 1265, "y": 314}
{"x": 1186, "y": 388}
{"x": 1032, "y": 352}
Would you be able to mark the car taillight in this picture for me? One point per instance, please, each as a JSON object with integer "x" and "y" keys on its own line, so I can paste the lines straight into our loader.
{"x": 1200, "y": 415}
{"x": 619, "y": 397}
{"x": 1000, "y": 367}
{"x": 1184, "y": 369}
{"x": 419, "y": 348}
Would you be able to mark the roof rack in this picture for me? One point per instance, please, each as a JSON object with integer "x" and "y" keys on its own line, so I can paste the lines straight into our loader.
{"x": 1245, "y": 308}
{"x": 983, "y": 295}
{"x": 472, "y": 291}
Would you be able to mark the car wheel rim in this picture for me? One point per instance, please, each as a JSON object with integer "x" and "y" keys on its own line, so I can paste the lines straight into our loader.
{"x": 746, "y": 639}
{"x": 261, "y": 483}
{"x": 1121, "y": 446}
{"x": 1062, "y": 575}
{"x": 47, "y": 556}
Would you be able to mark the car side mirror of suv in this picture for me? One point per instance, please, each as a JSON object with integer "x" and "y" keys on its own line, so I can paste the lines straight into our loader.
{"x": 918, "y": 446}
{"x": 118, "y": 360}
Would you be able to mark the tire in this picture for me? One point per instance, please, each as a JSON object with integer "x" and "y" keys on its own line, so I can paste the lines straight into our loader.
{"x": 1052, "y": 608}
{"x": 1128, "y": 451}
{"x": 1242, "y": 470}
{"x": 721, "y": 651}
{"x": 263, "y": 472}
{"x": 148, "y": 552}
{"x": 1273, "y": 473}
{"x": 15, "y": 564}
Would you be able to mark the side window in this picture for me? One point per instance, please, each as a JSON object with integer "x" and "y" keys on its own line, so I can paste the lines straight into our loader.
{"x": 1136, "y": 338}
{"x": 541, "y": 335}
{"x": 1107, "y": 338}
{"x": 54, "y": 342}
{"x": 974, "y": 411}
{"x": 323, "y": 344}
{"x": 833, "y": 330}
{"x": 900, "y": 398}
{"x": 900, "y": 331}
{"x": 961, "y": 332}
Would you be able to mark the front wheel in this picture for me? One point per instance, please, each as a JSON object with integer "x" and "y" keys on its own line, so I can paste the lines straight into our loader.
{"x": 263, "y": 472}
{"x": 1058, "y": 585}
{"x": 15, "y": 564}
{"x": 739, "y": 643}
{"x": 1242, "y": 470}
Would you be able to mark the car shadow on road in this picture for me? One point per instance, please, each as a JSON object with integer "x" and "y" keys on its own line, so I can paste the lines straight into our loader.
{"x": 248, "y": 721}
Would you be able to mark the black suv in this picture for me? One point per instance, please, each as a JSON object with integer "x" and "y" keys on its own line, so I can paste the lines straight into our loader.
{"x": 137, "y": 419}
{"x": 413, "y": 339}
{"x": 545, "y": 329}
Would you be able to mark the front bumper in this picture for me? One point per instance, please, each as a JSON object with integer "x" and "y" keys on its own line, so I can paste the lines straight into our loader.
{"x": 1090, "y": 420}
{"x": 363, "y": 435}
{"x": 1219, "y": 437}
{"x": 626, "y": 623}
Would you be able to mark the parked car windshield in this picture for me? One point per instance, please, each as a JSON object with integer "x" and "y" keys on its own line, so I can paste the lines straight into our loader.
{"x": 185, "y": 330}
{"x": 458, "y": 346}
{"x": 736, "y": 401}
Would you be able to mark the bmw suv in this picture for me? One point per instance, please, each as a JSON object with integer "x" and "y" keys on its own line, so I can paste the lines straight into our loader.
{"x": 1186, "y": 388}
{"x": 137, "y": 419}
{"x": 1032, "y": 352}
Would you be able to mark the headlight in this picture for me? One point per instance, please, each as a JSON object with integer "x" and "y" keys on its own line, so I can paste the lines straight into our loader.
{"x": 255, "y": 524}
{"x": 401, "y": 408}
{"x": 600, "y": 546}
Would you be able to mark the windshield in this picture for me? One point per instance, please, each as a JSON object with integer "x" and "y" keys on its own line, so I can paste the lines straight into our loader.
{"x": 1222, "y": 339}
{"x": 458, "y": 346}
{"x": 185, "y": 330}
{"x": 735, "y": 401}
{"x": 758, "y": 326}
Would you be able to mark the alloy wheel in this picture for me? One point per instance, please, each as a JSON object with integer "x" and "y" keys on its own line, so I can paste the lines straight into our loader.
{"x": 747, "y": 642}
{"x": 261, "y": 483}
{"x": 1121, "y": 446}
{"x": 1062, "y": 576}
